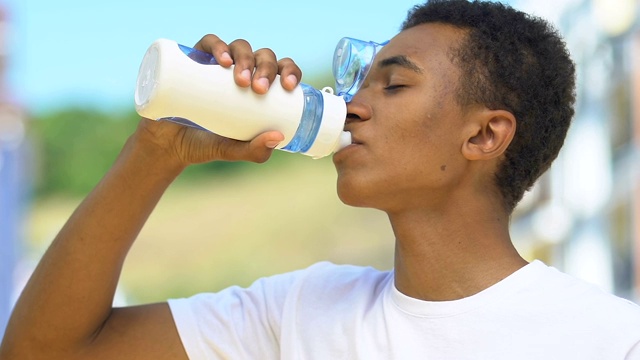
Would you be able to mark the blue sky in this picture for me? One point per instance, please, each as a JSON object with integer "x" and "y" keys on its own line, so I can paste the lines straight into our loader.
{"x": 88, "y": 53}
{"x": 85, "y": 52}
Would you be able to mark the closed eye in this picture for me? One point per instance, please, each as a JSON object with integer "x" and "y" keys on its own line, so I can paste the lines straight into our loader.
{"x": 394, "y": 87}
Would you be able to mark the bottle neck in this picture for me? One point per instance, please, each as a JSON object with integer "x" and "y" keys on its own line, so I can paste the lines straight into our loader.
{"x": 309, "y": 122}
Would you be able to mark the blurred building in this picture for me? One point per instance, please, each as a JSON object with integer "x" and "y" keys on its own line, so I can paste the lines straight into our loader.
{"x": 583, "y": 215}
{"x": 12, "y": 181}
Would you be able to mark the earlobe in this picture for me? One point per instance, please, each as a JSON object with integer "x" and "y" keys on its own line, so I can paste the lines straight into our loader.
{"x": 490, "y": 133}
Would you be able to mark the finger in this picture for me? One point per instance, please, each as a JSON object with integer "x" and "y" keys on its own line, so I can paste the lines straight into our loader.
{"x": 266, "y": 70}
{"x": 257, "y": 150}
{"x": 290, "y": 73}
{"x": 244, "y": 60}
{"x": 215, "y": 46}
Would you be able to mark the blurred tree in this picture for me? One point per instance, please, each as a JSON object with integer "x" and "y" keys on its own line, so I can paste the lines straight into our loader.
{"x": 75, "y": 147}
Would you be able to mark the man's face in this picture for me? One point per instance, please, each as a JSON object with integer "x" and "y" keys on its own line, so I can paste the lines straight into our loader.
{"x": 406, "y": 125}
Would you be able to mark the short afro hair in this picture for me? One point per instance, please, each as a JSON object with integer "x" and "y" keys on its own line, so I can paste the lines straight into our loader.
{"x": 516, "y": 62}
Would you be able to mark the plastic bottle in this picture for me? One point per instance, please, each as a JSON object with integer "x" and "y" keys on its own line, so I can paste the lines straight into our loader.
{"x": 186, "y": 85}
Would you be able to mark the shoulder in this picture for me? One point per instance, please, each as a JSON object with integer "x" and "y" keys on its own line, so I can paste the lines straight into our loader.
{"x": 341, "y": 279}
{"x": 318, "y": 280}
{"x": 344, "y": 273}
{"x": 585, "y": 304}
{"x": 563, "y": 286}
{"x": 330, "y": 288}
{"x": 210, "y": 324}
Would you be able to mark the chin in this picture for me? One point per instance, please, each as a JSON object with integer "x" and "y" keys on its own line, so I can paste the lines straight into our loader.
{"x": 353, "y": 194}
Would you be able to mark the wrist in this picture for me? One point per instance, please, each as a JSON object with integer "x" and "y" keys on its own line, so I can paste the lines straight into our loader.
{"x": 148, "y": 153}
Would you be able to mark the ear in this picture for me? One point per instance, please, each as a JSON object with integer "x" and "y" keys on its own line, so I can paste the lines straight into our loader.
{"x": 489, "y": 134}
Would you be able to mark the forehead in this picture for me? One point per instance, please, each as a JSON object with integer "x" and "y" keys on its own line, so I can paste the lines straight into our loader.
{"x": 426, "y": 44}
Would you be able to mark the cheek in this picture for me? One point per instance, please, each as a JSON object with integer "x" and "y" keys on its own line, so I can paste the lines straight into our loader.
{"x": 423, "y": 157}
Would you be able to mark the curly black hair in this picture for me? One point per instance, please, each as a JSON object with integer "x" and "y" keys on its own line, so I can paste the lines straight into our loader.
{"x": 516, "y": 62}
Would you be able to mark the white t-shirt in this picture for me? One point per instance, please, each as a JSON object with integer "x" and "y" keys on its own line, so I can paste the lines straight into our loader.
{"x": 334, "y": 312}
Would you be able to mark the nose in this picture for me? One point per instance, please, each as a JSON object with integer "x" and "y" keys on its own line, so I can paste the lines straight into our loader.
{"x": 358, "y": 109}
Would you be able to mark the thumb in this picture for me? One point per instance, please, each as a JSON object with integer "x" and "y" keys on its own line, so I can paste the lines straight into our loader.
{"x": 258, "y": 150}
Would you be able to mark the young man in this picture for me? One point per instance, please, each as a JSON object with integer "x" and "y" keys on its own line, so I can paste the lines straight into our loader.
{"x": 459, "y": 115}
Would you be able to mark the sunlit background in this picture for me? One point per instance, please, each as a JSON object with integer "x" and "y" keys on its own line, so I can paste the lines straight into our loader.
{"x": 68, "y": 70}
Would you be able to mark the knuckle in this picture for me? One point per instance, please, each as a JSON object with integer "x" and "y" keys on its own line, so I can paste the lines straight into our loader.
{"x": 240, "y": 43}
{"x": 210, "y": 43}
{"x": 286, "y": 61}
{"x": 209, "y": 38}
{"x": 266, "y": 52}
{"x": 287, "y": 64}
{"x": 261, "y": 157}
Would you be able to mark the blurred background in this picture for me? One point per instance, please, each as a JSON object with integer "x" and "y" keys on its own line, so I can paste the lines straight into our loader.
{"x": 67, "y": 75}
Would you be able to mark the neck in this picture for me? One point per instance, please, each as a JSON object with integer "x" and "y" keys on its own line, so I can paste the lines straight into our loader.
{"x": 454, "y": 252}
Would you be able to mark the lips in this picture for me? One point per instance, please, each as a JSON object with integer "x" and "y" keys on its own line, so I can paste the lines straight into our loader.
{"x": 355, "y": 140}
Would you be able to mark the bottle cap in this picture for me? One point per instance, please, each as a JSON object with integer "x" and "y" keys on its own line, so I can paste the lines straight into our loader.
{"x": 331, "y": 128}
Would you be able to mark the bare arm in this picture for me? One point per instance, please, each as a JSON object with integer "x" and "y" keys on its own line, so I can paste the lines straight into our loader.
{"x": 65, "y": 311}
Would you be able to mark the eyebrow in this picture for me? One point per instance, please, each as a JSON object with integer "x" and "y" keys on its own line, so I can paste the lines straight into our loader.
{"x": 402, "y": 61}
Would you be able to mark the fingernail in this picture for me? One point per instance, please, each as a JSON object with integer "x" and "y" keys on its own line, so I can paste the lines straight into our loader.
{"x": 272, "y": 144}
{"x": 292, "y": 79}
{"x": 225, "y": 57}
{"x": 246, "y": 74}
{"x": 263, "y": 83}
